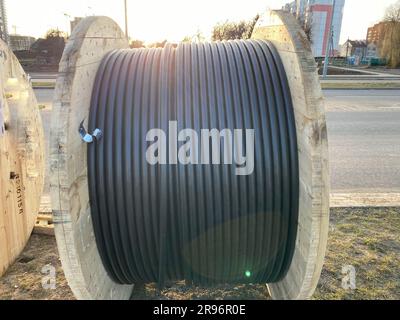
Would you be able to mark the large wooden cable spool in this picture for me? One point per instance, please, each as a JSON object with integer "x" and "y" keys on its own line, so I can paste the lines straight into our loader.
{"x": 83, "y": 266}
{"x": 22, "y": 160}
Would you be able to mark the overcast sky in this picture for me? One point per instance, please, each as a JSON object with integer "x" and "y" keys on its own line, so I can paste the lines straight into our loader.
{"x": 154, "y": 20}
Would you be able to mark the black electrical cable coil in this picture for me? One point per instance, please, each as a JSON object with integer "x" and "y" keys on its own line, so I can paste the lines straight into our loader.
{"x": 202, "y": 223}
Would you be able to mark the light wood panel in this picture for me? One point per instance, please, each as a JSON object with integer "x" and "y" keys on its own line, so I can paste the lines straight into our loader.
{"x": 21, "y": 158}
{"x": 90, "y": 41}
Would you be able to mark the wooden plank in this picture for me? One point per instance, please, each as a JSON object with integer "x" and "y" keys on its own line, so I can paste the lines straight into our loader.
{"x": 45, "y": 217}
{"x": 45, "y": 204}
{"x": 44, "y": 225}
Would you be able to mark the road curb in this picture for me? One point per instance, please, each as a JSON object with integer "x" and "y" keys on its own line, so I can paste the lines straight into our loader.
{"x": 338, "y": 86}
{"x": 361, "y": 89}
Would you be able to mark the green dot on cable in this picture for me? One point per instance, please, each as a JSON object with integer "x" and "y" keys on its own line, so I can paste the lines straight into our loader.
{"x": 247, "y": 274}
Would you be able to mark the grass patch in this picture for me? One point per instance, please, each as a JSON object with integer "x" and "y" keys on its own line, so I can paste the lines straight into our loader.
{"x": 369, "y": 240}
{"x": 47, "y": 85}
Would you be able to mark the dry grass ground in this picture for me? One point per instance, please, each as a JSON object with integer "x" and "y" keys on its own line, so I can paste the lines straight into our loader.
{"x": 23, "y": 280}
{"x": 368, "y": 239}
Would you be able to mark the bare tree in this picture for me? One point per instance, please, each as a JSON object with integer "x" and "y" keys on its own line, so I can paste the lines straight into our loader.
{"x": 187, "y": 39}
{"x": 135, "y": 44}
{"x": 55, "y": 33}
{"x": 392, "y": 13}
{"x": 391, "y": 42}
{"x": 234, "y": 30}
{"x": 197, "y": 37}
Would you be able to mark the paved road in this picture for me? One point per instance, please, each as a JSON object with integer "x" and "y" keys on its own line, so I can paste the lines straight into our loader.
{"x": 45, "y": 98}
{"x": 42, "y": 75}
{"x": 359, "y": 74}
{"x": 364, "y": 138}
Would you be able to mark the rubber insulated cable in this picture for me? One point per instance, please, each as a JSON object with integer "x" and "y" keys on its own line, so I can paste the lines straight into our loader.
{"x": 197, "y": 215}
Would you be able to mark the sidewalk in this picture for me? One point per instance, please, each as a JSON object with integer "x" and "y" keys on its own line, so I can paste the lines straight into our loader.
{"x": 364, "y": 200}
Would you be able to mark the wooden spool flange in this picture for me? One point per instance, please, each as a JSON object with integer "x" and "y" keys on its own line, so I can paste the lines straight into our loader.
{"x": 91, "y": 40}
{"x": 21, "y": 158}
{"x": 283, "y": 30}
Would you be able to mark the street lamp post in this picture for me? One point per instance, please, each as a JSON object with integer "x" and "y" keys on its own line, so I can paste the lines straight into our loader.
{"x": 69, "y": 18}
{"x": 328, "y": 45}
{"x": 126, "y": 19}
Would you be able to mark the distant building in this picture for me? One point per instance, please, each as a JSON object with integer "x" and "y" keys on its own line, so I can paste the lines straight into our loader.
{"x": 75, "y": 22}
{"x": 377, "y": 32}
{"x": 375, "y": 37}
{"x": 21, "y": 43}
{"x": 373, "y": 50}
{"x": 319, "y": 14}
{"x": 3, "y": 21}
{"x": 357, "y": 48}
{"x": 44, "y": 55}
{"x": 48, "y": 51}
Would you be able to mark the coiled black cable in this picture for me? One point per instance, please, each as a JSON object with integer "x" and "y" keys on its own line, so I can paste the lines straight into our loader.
{"x": 198, "y": 222}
